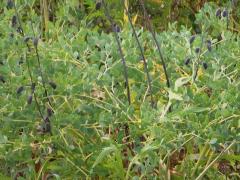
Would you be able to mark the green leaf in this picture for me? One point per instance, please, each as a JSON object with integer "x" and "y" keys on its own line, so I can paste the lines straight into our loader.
{"x": 195, "y": 109}
{"x": 180, "y": 82}
{"x": 105, "y": 152}
{"x": 175, "y": 96}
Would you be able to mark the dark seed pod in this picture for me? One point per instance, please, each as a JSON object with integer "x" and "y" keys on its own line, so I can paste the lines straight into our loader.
{"x": 2, "y": 79}
{"x": 10, "y": 4}
{"x": 187, "y": 61}
{"x": 20, "y": 61}
{"x": 209, "y": 45}
{"x": 35, "y": 42}
{"x": 219, "y": 38}
{"x": 33, "y": 87}
{"x": 14, "y": 21}
{"x": 97, "y": 47}
{"x": 26, "y": 39}
{"x": 218, "y": 13}
{"x": 46, "y": 119}
{"x": 225, "y": 13}
{"x": 47, "y": 128}
{"x": 192, "y": 38}
{"x": 1, "y": 63}
{"x": 49, "y": 112}
{"x": 117, "y": 28}
{"x": 205, "y": 66}
{"x": 47, "y": 125}
{"x": 197, "y": 50}
{"x": 98, "y": 5}
{"x": 53, "y": 85}
{"x": 20, "y": 90}
{"x": 29, "y": 100}
{"x": 19, "y": 30}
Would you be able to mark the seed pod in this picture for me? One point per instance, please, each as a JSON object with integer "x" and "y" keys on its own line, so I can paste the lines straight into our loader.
{"x": 2, "y": 79}
{"x": 209, "y": 45}
{"x": 117, "y": 28}
{"x": 197, "y": 50}
{"x": 47, "y": 127}
{"x": 1, "y": 63}
{"x": 20, "y": 61}
{"x": 187, "y": 61}
{"x": 26, "y": 39}
{"x": 14, "y": 21}
{"x": 29, "y": 100}
{"x": 192, "y": 38}
{"x": 19, "y": 30}
{"x": 53, "y": 85}
{"x": 33, "y": 87}
{"x": 205, "y": 66}
{"x": 46, "y": 119}
{"x": 49, "y": 112}
{"x": 218, "y": 13}
{"x": 10, "y": 4}
{"x": 219, "y": 38}
{"x": 35, "y": 42}
{"x": 98, "y": 5}
{"x": 225, "y": 13}
{"x": 20, "y": 90}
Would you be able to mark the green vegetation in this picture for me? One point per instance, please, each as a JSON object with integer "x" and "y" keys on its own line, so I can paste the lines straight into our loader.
{"x": 65, "y": 112}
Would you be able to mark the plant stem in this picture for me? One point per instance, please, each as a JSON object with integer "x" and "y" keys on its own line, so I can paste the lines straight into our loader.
{"x": 28, "y": 65}
{"x": 142, "y": 54}
{"x": 156, "y": 42}
{"x": 120, "y": 50}
{"x": 40, "y": 69}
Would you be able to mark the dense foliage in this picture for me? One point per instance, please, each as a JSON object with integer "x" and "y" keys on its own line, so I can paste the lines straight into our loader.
{"x": 64, "y": 109}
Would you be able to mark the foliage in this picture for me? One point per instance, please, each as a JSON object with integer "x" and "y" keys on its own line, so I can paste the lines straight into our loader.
{"x": 192, "y": 132}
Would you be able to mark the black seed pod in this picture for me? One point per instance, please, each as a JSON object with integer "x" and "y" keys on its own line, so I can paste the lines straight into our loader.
{"x": 20, "y": 90}
{"x": 197, "y": 50}
{"x": 49, "y": 112}
{"x": 19, "y": 30}
{"x": 1, "y": 63}
{"x": 192, "y": 38}
{"x": 14, "y": 21}
{"x": 46, "y": 119}
{"x": 2, "y": 79}
{"x": 225, "y": 13}
{"x": 29, "y": 100}
{"x": 98, "y": 5}
{"x": 53, "y": 85}
{"x": 20, "y": 61}
{"x": 33, "y": 87}
{"x": 10, "y": 4}
{"x": 187, "y": 61}
{"x": 26, "y": 39}
{"x": 35, "y": 42}
{"x": 47, "y": 128}
{"x": 209, "y": 45}
{"x": 219, "y": 38}
{"x": 205, "y": 66}
{"x": 117, "y": 28}
{"x": 218, "y": 13}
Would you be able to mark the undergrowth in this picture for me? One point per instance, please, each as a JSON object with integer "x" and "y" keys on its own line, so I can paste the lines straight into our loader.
{"x": 65, "y": 113}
